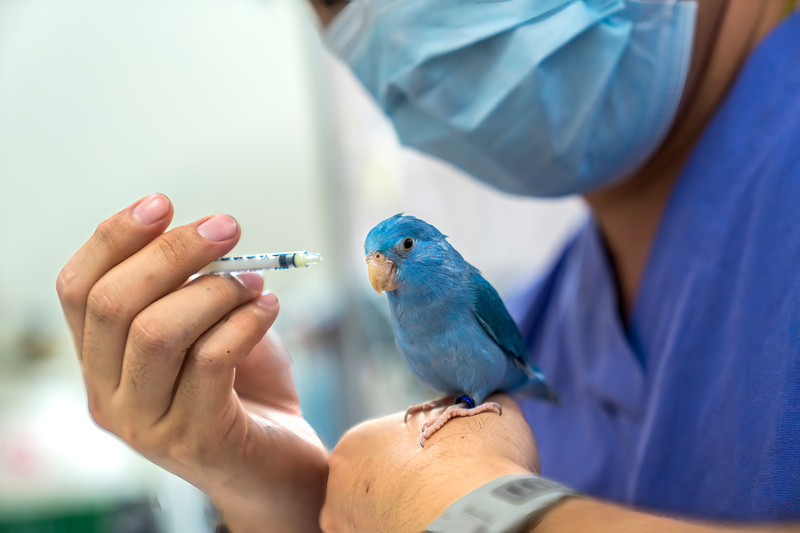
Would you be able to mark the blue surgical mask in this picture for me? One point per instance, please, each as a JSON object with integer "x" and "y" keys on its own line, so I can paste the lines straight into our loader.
{"x": 535, "y": 97}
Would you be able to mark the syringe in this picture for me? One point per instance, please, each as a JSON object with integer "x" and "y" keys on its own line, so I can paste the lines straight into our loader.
{"x": 254, "y": 263}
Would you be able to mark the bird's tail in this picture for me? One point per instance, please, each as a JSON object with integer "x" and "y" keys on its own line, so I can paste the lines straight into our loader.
{"x": 537, "y": 386}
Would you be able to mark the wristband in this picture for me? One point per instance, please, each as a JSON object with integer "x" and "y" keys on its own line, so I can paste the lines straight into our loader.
{"x": 504, "y": 505}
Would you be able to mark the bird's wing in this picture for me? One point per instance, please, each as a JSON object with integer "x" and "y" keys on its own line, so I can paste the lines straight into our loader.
{"x": 493, "y": 316}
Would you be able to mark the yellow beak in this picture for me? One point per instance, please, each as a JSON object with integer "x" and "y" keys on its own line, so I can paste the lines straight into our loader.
{"x": 382, "y": 272}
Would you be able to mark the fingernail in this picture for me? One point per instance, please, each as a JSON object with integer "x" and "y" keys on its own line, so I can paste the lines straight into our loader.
{"x": 152, "y": 209}
{"x": 252, "y": 281}
{"x": 218, "y": 228}
{"x": 267, "y": 299}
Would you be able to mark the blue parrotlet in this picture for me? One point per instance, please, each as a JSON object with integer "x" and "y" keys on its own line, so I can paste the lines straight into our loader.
{"x": 449, "y": 323}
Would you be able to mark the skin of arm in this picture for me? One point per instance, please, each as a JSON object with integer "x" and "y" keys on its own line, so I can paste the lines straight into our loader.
{"x": 185, "y": 373}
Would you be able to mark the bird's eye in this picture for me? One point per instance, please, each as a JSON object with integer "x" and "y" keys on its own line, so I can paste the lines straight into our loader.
{"x": 408, "y": 244}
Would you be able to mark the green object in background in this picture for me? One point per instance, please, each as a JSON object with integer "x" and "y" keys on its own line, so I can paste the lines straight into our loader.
{"x": 127, "y": 518}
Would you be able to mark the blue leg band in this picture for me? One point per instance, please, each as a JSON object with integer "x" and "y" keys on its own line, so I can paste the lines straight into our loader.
{"x": 467, "y": 400}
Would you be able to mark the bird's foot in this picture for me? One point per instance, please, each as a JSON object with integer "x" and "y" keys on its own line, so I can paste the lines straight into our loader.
{"x": 432, "y": 426}
{"x": 427, "y": 406}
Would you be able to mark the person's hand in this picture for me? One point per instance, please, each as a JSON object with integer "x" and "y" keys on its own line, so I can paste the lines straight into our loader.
{"x": 185, "y": 374}
{"x": 381, "y": 481}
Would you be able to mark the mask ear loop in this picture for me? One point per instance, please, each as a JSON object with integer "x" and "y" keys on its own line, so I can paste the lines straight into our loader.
{"x": 345, "y": 36}
{"x": 345, "y": 30}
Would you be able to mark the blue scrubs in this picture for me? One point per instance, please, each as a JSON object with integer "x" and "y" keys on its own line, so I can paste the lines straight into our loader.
{"x": 693, "y": 406}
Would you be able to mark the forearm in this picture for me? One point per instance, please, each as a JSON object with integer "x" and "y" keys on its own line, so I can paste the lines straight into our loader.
{"x": 286, "y": 494}
{"x": 249, "y": 518}
{"x": 295, "y": 508}
{"x": 585, "y": 515}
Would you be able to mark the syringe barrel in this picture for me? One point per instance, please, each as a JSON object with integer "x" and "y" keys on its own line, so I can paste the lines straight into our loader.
{"x": 247, "y": 263}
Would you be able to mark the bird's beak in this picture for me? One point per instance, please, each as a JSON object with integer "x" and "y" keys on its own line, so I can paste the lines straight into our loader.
{"x": 382, "y": 272}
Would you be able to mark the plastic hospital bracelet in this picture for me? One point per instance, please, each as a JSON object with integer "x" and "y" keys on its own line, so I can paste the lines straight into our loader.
{"x": 504, "y": 505}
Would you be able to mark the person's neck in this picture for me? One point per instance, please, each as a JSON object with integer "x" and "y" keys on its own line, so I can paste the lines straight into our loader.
{"x": 628, "y": 217}
{"x": 629, "y": 214}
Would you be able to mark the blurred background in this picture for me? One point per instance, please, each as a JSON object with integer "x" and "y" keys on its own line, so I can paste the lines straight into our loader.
{"x": 226, "y": 106}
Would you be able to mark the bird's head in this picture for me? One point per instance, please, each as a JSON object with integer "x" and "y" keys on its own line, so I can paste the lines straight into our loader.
{"x": 400, "y": 247}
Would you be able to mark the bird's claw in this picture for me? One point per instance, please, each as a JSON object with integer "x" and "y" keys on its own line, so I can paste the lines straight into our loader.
{"x": 432, "y": 426}
{"x": 427, "y": 406}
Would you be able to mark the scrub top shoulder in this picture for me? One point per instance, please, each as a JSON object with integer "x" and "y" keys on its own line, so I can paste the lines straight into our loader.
{"x": 693, "y": 407}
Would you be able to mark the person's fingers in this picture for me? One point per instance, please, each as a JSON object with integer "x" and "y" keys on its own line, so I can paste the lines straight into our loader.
{"x": 265, "y": 377}
{"x": 151, "y": 273}
{"x": 113, "y": 241}
{"x": 206, "y": 381}
{"x": 161, "y": 335}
